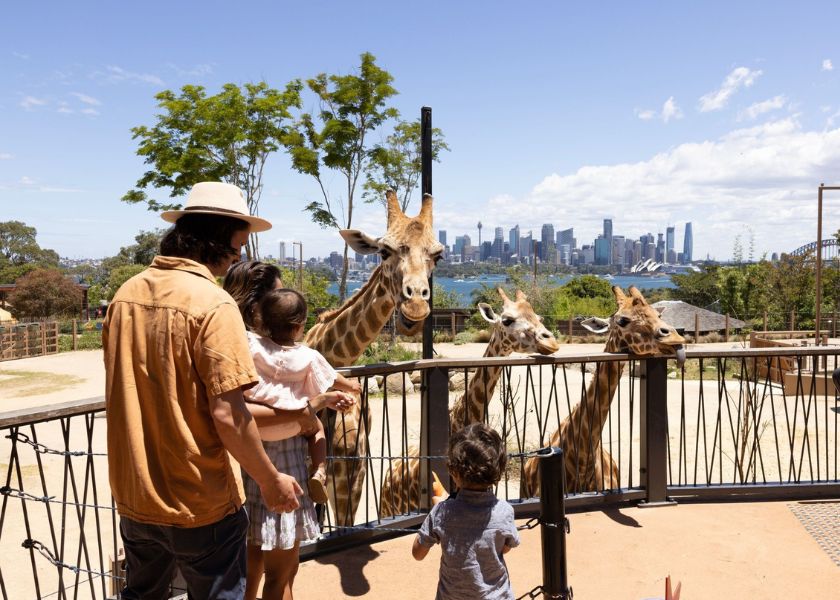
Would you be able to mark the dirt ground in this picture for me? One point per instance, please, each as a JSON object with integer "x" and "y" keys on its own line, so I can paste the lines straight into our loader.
{"x": 748, "y": 550}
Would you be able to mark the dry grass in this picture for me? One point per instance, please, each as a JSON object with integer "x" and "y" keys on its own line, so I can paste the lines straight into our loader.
{"x": 20, "y": 384}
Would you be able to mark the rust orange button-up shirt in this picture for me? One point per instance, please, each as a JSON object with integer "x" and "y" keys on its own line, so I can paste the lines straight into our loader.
{"x": 172, "y": 339}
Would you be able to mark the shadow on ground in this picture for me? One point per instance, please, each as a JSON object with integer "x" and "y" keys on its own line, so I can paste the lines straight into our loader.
{"x": 351, "y": 567}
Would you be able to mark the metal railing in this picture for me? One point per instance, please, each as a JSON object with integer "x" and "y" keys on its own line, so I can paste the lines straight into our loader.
{"x": 729, "y": 425}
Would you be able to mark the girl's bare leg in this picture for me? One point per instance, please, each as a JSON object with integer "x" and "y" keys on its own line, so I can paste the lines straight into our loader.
{"x": 254, "y": 572}
{"x": 281, "y": 566}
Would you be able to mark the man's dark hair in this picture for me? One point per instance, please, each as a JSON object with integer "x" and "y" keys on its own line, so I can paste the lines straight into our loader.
{"x": 203, "y": 238}
{"x": 279, "y": 315}
{"x": 247, "y": 282}
{"x": 477, "y": 455}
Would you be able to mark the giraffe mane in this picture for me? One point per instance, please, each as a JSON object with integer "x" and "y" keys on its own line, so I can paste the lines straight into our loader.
{"x": 329, "y": 315}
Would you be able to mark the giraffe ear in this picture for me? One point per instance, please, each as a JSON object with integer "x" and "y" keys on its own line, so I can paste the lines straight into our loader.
{"x": 487, "y": 312}
{"x": 360, "y": 241}
{"x": 596, "y": 324}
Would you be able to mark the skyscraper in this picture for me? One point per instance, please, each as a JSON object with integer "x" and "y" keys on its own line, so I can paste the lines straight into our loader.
{"x": 608, "y": 235}
{"x": 547, "y": 243}
{"x": 567, "y": 236}
{"x": 442, "y": 236}
{"x": 669, "y": 242}
{"x": 513, "y": 240}
{"x": 498, "y": 243}
{"x": 688, "y": 244}
{"x": 281, "y": 252}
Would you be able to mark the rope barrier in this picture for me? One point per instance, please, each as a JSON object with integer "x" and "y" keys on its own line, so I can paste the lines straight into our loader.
{"x": 44, "y": 551}
{"x": 42, "y": 449}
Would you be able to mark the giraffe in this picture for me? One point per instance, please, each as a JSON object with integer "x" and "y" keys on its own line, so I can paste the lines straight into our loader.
{"x": 400, "y": 283}
{"x": 517, "y": 329}
{"x": 635, "y": 328}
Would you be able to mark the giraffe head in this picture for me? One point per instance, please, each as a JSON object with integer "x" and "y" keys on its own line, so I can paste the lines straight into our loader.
{"x": 409, "y": 252}
{"x": 518, "y": 326}
{"x": 637, "y": 328}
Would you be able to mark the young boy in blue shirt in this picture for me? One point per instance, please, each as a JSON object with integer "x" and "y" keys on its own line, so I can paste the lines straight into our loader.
{"x": 474, "y": 528}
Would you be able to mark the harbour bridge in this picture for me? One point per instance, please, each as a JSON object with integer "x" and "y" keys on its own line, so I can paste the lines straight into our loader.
{"x": 829, "y": 249}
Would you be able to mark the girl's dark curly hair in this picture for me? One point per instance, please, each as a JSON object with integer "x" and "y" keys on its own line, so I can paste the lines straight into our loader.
{"x": 279, "y": 314}
{"x": 477, "y": 455}
{"x": 203, "y": 238}
{"x": 248, "y": 281}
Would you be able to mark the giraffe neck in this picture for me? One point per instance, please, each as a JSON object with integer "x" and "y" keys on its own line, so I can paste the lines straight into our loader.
{"x": 344, "y": 333}
{"x": 482, "y": 385}
{"x": 586, "y": 421}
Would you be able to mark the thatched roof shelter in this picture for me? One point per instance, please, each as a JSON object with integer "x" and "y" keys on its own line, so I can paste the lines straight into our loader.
{"x": 680, "y": 315}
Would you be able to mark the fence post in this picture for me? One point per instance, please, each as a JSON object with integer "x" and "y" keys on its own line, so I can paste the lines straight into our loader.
{"x": 452, "y": 324}
{"x": 43, "y": 327}
{"x": 75, "y": 341}
{"x": 792, "y": 321}
{"x": 696, "y": 328}
{"x": 571, "y": 321}
{"x": 434, "y": 430}
{"x": 726, "y": 330}
{"x": 765, "y": 320}
{"x": 653, "y": 430}
{"x": 553, "y": 524}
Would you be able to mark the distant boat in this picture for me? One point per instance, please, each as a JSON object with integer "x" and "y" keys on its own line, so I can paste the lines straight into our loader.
{"x": 608, "y": 276}
{"x": 459, "y": 281}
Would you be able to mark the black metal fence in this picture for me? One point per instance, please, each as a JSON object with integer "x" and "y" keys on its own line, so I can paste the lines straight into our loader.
{"x": 728, "y": 425}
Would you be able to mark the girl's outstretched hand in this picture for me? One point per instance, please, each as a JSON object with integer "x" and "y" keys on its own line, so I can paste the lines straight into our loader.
{"x": 336, "y": 400}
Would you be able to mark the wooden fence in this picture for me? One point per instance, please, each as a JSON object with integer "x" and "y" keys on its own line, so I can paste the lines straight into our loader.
{"x": 22, "y": 340}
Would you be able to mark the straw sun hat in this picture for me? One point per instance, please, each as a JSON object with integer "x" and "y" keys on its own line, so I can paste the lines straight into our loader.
{"x": 216, "y": 198}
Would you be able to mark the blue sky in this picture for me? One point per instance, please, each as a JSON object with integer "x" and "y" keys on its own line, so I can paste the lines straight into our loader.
{"x": 724, "y": 114}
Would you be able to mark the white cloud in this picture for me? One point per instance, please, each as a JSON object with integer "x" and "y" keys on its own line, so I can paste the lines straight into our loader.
{"x": 759, "y": 108}
{"x": 115, "y": 74}
{"x": 29, "y": 102}
{"x": 90, "y": 112}
{"x": 20, "y": 55}
{"x": 84, "y": 98}
{"x": 646, "y": 115}
{"x": 197, "y": 71}
{"x": 738, "y": 78}
{"x": 26, "y": 180}
{"x": 670, "y": 110}
{"x": 826, "y": 65}
{"x": 6, "y": 156}
{"x": 763, "y": 176}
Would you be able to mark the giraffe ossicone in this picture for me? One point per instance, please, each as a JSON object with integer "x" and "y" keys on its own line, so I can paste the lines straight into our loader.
{"x": 635, "y": 328}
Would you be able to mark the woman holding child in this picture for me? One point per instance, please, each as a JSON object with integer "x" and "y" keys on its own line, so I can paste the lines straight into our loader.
{"x": 291, "y": 377}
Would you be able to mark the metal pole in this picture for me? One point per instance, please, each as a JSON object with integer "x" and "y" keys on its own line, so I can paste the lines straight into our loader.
{"x": 819, "y": 262}
{"x": 426, "y": 175}
{"x": 654, "y": 431}
{"x": 553, "y": 524}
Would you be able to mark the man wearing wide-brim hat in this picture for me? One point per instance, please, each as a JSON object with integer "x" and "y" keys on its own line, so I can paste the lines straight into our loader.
{"x": 177, "y": 362}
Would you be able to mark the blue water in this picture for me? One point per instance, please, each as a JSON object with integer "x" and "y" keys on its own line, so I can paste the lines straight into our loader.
{"x": 464, "y": 288}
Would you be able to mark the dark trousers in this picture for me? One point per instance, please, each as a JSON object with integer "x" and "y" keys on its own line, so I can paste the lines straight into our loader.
{"x": 211, "y": 558}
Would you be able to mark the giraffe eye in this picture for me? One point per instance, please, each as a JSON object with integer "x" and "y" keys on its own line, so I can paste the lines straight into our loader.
{"x": 507, "y": 321}
{"x": 622, "y": 321}
{"x": 385, "y": 254}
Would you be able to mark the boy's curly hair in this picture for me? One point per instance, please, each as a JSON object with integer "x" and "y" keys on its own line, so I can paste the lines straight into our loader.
{"x": 477, "y": 455}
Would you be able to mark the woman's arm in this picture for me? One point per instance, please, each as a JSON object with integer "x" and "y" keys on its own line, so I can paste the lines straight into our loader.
{"x": 287, "y": 423}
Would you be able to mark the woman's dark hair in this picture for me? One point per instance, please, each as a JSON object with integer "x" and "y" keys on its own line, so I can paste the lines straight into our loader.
{"x": 280, "y": 313}
{"x": 247, "y": 282}
{"x": 477, "y": 455}
{"x": 203, "y": 238}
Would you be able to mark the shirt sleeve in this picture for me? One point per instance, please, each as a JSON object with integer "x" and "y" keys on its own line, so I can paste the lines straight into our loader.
{"x": 428, "y": 535}
{"x": 512, "y": 533}
{"x": 321, "y": 373}
{"x": 269, "y": 389}
{"x": 222, "y": 357}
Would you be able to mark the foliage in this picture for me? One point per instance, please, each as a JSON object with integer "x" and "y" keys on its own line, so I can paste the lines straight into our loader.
{"x": 119, "y": 276}
{"x": 224, "y": 137}
{"x": 314, "y": 289}
{"x": 699, "y": 289}
{"x": 396, "y": 164}
{"x": 20, "y": 253}
{"x": 85, "y": 340}
{"x": 379, "y": 352}
{"x": 336, "y": 139}
{"x": 143, "y": 250}
{"x": 588, "y": 286}
{"x": 45, "y": 293}
{"x": 444, "y": 298}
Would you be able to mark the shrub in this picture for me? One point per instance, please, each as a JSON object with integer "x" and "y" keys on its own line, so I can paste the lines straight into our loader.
{"x": 379, "y": 352}
{"x": 465, "y": 337}
{"x": 86, "y": 340}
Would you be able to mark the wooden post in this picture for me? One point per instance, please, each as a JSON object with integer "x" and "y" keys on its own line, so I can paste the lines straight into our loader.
{"x": 452, "y": 324}
{"x": 75, "y": 340}
{"x": 696, "y": 328}
{"x": 765, "y": 321}
{"x": 571, "y": 322}
{"x": 792, "y": 321}
{"x": 726, "y": 330}
{"x": 43, "y": 327}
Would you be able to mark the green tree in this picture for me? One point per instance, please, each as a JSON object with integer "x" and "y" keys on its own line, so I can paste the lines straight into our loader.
{"x": 444, "y": 298}
{"x": 396, "y": 164}
{"x": 119, "y": 276}
{"x": 225, "y": 137}
{"x": 20, "y": 253}
{"x": 314, "y": 289}
{"x": 588, "y": 286}
{"x": 45, "y": 293}
{"x": 699, "y": 289}
{"x": 336, "y": 139}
